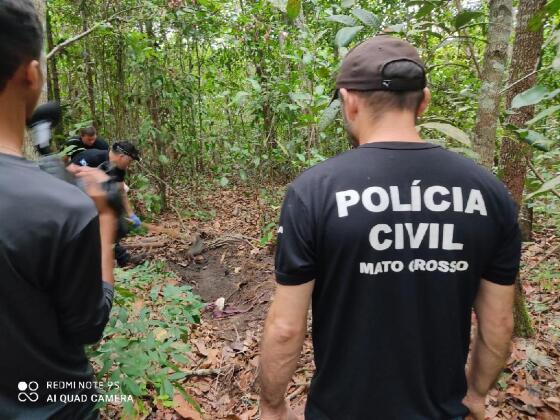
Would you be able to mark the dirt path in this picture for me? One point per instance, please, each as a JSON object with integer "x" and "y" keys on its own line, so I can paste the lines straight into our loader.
{"x": 242, "y": 274}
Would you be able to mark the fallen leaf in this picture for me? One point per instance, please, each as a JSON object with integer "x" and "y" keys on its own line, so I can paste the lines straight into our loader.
{"x": 211, "y": 359}
{"x": 538, "y": 357}
{"x": 530, "y": 398}
{"x": 137, "y": 307}
{"x": 185, "y": 409}
{"x": 200, "y": 346}
{"x": 160, "y": 334}
{"x": 220, "y": 303}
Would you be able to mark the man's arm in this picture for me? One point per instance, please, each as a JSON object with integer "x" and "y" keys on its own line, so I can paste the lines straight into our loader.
{"x": 284, "y": 333}
{"x": 491, "y": 346}
{"x": 83, "y": 292}
{"x": 93, "y": 178}
{"x": 126, "y": 202}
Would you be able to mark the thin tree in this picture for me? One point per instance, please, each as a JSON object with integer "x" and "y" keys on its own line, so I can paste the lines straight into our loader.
{"x": 493, "y": 75}
{"x": 514, "y": 154}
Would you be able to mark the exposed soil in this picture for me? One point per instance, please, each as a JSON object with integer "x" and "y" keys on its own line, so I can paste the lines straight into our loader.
{"x": 233, "y": 267}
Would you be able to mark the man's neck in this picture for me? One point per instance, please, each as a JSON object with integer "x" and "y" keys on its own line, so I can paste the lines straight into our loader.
{"x": 391, "y": 127}
{"x": 12, "y": 124}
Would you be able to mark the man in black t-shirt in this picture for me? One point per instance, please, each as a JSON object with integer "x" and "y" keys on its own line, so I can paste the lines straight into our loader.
{"x": 394, "y": 242}
{"x": 56, "y": 265}
{"x": 115, "y": 163}
{"x": 87, "y": 140}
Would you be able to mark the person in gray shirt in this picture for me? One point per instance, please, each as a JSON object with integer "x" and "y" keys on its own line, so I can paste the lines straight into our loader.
{"x": 56, "y": 257}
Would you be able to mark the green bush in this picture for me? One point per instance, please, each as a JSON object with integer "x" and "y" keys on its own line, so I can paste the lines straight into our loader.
{"x": 146, "y": 341}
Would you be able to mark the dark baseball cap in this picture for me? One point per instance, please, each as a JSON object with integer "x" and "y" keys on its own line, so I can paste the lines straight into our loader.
{"x": 127, "y": 148}
{"x": 363, "y": 67}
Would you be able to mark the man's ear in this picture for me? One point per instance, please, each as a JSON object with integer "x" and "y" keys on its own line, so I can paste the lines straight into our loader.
{"x": 350, "y": 103}
{"x": 425, "y": 102}
{"x": 34, "y": 76}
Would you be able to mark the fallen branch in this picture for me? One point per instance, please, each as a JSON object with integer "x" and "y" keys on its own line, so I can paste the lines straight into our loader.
{"x": 202, "y": 372}
{"x": 145, "y": 245}
{"x": 228, "y": 238}
{"x": 298, "y": 391}
{"x": 539, "y": 262}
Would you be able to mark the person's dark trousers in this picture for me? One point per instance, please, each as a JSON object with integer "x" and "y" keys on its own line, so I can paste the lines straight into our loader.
{"x": 121, "y": 254}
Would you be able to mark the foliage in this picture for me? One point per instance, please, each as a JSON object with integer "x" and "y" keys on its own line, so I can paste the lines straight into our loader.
{"x": 239, "y": 90}
{"x": 147, "y": 339}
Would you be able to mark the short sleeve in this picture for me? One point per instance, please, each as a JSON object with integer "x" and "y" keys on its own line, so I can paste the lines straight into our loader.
{"x": 295, "y": 253}
{"x": 504, "y": 265}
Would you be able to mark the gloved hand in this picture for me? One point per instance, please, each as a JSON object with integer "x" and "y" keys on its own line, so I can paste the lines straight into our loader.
{"x": 135, "y": 220}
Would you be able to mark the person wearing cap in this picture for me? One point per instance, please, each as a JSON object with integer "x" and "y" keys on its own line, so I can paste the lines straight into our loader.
{"x": 394, "y": 242}
{"x": 114, "y": 163}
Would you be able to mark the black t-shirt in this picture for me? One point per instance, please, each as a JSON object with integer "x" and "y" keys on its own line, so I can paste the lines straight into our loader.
{"x": 397, "y": 236}
{"x": 99, "y": 144}
{"x": 99, "y": 159}
{"x": 52, "y": 298}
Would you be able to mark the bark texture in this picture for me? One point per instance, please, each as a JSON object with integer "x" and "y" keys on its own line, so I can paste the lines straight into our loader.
{"x": 493, "y": 74}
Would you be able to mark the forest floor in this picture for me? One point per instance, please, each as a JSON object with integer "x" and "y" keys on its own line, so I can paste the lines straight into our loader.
{"x": 216, "y": 250}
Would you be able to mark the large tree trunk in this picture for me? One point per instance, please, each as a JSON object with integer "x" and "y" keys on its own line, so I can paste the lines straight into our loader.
{"x": 514, "y": 153}
{"x": 495, "y": 63}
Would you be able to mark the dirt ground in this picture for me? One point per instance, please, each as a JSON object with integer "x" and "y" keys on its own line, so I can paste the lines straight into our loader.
{"x": 221, "y": 260}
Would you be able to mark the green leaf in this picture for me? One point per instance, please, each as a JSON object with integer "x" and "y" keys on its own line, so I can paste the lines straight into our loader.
{"x": 530, "y": 97}
{"x": 543, "y": 114}
{"x": 535, "y": 139}
{"x": 344, "y": 19}
{"x": 348, "y": 3}
{"x": 224, "y": 182}
{"x": 396, "y": 28}
{"x": 547, "y": 186}
{"x": 424, "y": 10}
{"x": 167, "y": 388}
{"x": 188, "y": 398}
{"x": 450, "y": 131}
{"x": 177, "y": 375}
{"x": 293, "y": 8}
{"x": 465, "y": 17}
{"x": 367, "y": 18}
{"x": 131, "y": 387}
{"x": 346, "y": 35}
{"x": 164, "y": 160}
{"x": 329, "y": 115}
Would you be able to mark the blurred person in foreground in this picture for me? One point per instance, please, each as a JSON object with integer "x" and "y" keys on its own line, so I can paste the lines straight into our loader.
{"x": 56, "y": 251}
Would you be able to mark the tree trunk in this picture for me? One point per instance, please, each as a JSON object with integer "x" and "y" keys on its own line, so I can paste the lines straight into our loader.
{"x": 88, "y": 63}
{"x": 41, "y": 8}
{"x": 514, "y": 153}
{"x": 53, "y": 79}
{"x": 495, "y": 63}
